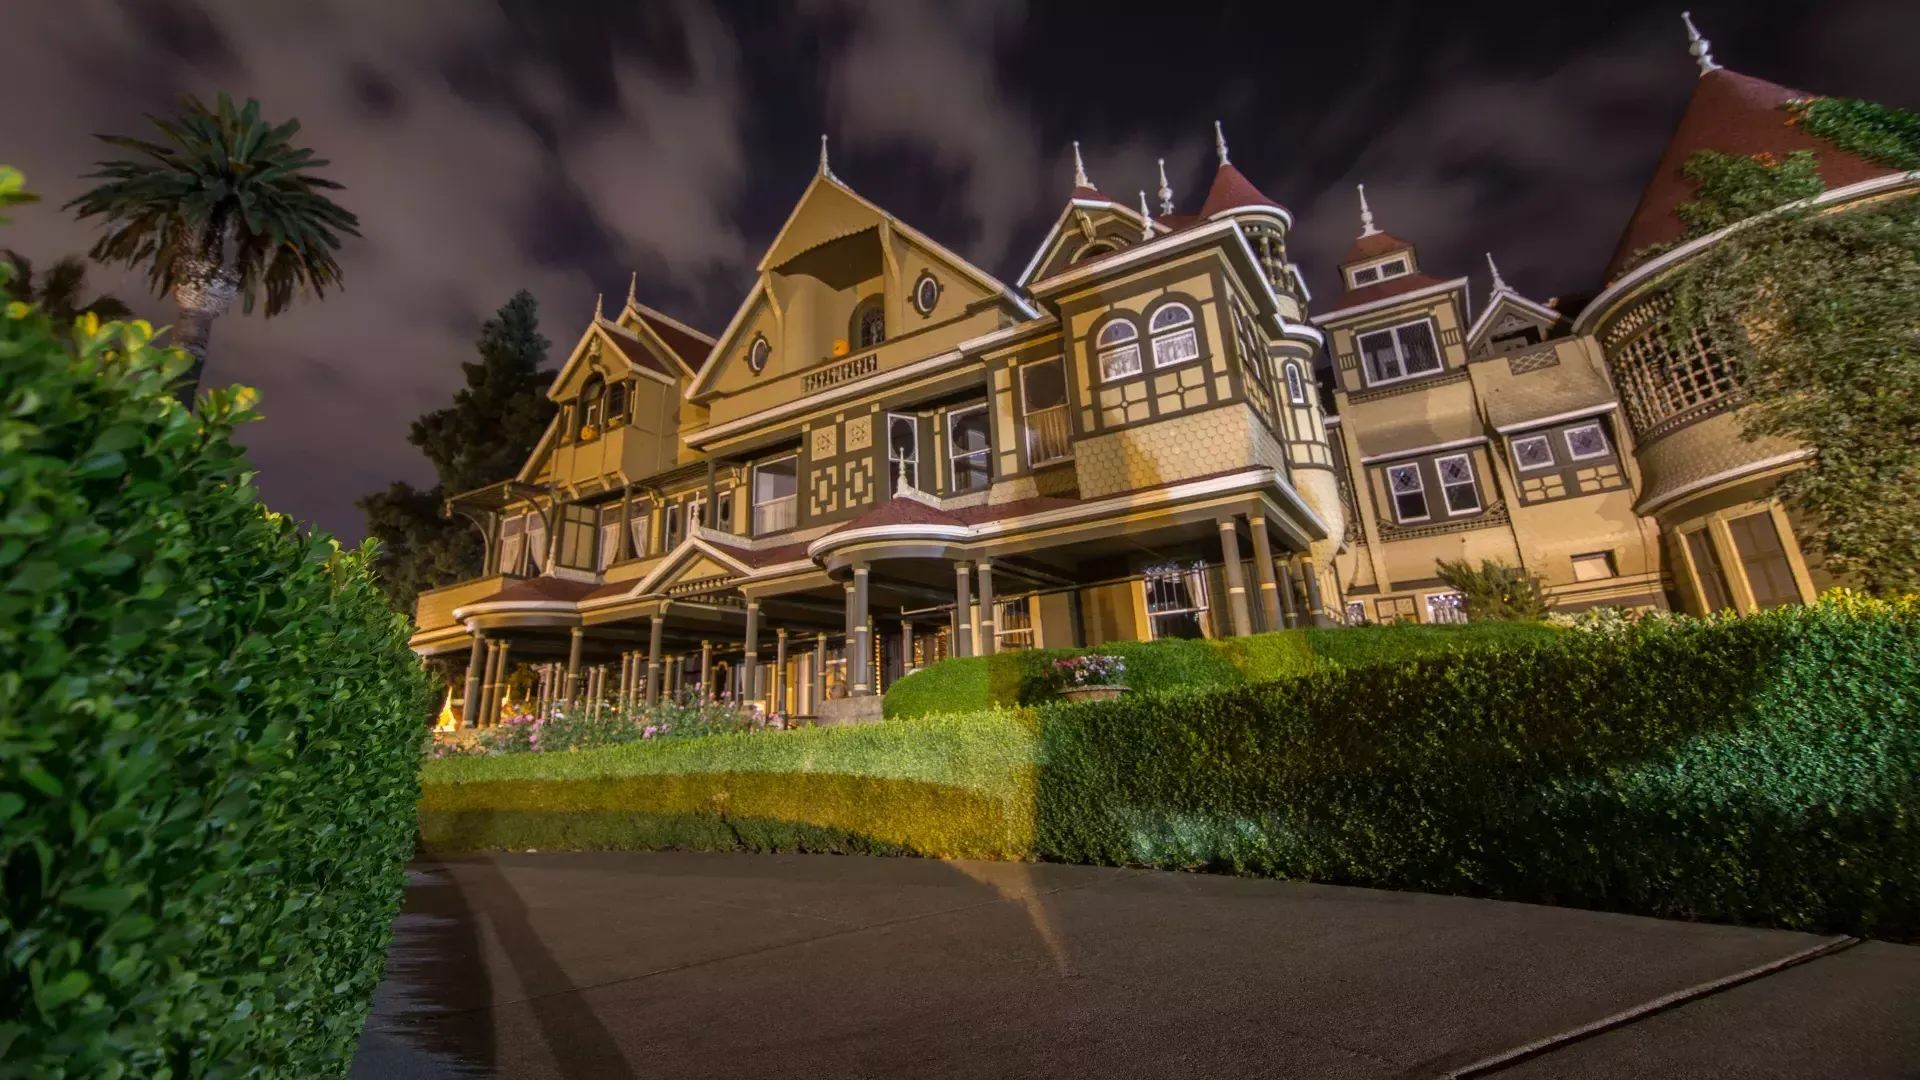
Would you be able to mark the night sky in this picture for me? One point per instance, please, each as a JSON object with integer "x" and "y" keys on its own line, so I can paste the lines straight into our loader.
{"x": 558, "y": 145}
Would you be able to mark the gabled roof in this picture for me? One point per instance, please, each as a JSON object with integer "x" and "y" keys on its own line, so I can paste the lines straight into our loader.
{"x": 654, "y": 357}
{"x": 1081, "y": 199}
{"x": 1231, "y": 191}
{"x": 1508, "y": 300}
{"x": 1382, "y": 290}
{"x": 794, "y": 237}
{"x": 1733, "y": 114}
{"x": 689, "y": 346}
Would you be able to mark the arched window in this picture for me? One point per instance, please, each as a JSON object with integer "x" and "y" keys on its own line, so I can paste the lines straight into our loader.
{"x": 869, "y": 324}
{"x": 1119, "y": 350}
{"x": 1174, "y": 340}
{"x": 1296, "y": 390}
{"x": 1093, "y": 251}
{"x": 592, "y": 407}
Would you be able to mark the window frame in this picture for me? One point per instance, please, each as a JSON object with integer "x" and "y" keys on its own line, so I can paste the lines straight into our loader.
{"x": 1296, "y": 385}
{"x": 1187, "y": 328}
{"x": 1028, "y": 412}
{"x": 761, "y": 348}
{"x": 1372, "y": 278}
{"x": 1400, "y": 356}
{"x": 1393, "y": 268}
{"x": 1598, "y": 428}
{"x": 856, "y": 324}
{"x": 955, "y": 456}
{"x": 1199, "y": 597}
{"x": 921, "y": 284}
{"x": 753, "y": 492}
{"x": 1104, "y": 348}
{"x": 1420, "y": 489}
{"x": 1543, "y": 439}
{"x": 1604, "y": 558}
{"x": 1458, "y": 603}
{"x": 1472, "y": 482}
{"x": 913, "y": 423}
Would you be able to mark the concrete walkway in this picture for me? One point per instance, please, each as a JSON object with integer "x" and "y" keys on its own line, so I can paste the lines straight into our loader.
{"x": 684, "y": 964}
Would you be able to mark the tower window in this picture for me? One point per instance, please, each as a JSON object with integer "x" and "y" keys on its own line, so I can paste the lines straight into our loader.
{"x": 1400, "y": 352}
{"x": 1119, "y": 345}
{"x": 1174, "y": 341}
{"x": 1296, "y": 390}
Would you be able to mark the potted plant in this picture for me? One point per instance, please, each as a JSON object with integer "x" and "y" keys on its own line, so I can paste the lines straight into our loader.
{"x": 1090, "y": 678}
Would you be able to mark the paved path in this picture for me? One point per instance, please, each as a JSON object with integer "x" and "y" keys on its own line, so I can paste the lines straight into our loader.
{"x": 685, "y": 964}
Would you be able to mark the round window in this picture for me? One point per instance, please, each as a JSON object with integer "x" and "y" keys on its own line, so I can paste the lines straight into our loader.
{"x": 757, "y": 354}
{"x": 926, "y": 293}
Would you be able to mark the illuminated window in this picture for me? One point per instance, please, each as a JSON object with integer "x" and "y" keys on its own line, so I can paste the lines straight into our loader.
{"x": 1119, "y": 350}
{"x": 1409, "y": 493}
{"x": 1400, "y": 352}
{"x": 1456, "y": 481}
{"x": 1174, "y": 340}
{"x": 1446, "y": 607}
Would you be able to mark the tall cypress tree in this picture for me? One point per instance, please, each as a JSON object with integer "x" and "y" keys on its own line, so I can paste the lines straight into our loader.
{"x": 482, "y": 438}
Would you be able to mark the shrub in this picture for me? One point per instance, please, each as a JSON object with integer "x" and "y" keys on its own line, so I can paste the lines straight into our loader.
{"x": 570, "y": 726}
{"x": 1091, "y": 669}
{"x": 1496, "y": 591}
{"x": 211, "y": 736}
{"x": 1762, "y": 769}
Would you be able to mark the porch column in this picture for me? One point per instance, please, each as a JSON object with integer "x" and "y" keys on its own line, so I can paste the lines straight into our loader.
{"x": 489, "y": 681}
{"x": 1236, "y": 580}
{"x": 500, "y": 689}
{"x": 777, "y": 688}
{"x": 573, "y": 662}
{"x": 476, "y": 673}
{"x": 542, "y": 677}
{"x": 656, "y": 626}
{"x": 750, "y": 667}
{"x": 989, "y": 616}
{"x": 962, "y": 611}
{"x": 906, "y": 647}
{"x": 625, "y": 681}
{"x": 1263, "y": 572}
{"x": 1316, "y": 611}
{"x": 706, "y": 671}
{"x": 1286, "y": 596}
{"x": 860, "y": 664}
{"x": 819, "y": 692}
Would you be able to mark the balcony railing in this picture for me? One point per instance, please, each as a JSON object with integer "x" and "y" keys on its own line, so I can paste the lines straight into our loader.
{"x": 775, "y": 516}
{"x": 1048, "y": 436}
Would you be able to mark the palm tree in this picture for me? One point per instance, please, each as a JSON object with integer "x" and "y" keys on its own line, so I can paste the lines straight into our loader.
{"x": 226, "y": 209}
{"x": 58, "y": 290}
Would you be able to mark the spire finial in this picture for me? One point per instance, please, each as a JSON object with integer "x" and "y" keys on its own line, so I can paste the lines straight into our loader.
{"x": 1166, "y": 190}
{"x": 824, "y": 170}
{"x": 1499, "y": 284}
{"x": 1080, "y": 169}
{"x": 633, "y": 286}
{"x": 1146, "y": 219}
{"x": 1220, "y": 142}
{"x": 1701, "y": 48}
{"x": 597, "y": 297}
{"x": 1366, "y": 215}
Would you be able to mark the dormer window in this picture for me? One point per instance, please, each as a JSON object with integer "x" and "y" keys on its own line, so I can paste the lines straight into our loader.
{"x": 1400, "y": 352}
{"x": 1516, "y": 339}
{"x": 592, "y": 407}
{"x": 617, "y": 401}
{"x": 1368, "y": 275}
{"x": 1174, "y": 341}
{"x": 1119, "y": 348}
{"x": 869, "y": 324}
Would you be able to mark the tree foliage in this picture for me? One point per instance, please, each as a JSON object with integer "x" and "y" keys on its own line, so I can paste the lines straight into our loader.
{"x": 1495, "y": 591}
{"x": 482, "y": 438}
{"x": 58, "y": 291}
{"x": 1820, "y": 310}
{"x": 226, "y": 207}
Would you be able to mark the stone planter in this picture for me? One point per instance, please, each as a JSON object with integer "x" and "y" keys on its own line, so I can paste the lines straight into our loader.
{"x": 1091, "y": 693}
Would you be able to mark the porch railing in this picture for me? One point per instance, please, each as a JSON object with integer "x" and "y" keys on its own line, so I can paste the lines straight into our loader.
{"x": 775, "y": 516}
{"x": 1048, "y": 437}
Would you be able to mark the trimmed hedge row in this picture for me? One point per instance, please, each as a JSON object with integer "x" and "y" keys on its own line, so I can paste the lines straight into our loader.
{"x": 1761, "y": 770}
{"x": 1022, "y": 677}
{"x": 212, "y": 732}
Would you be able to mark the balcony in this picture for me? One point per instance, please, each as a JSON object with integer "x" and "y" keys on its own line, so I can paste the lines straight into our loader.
{"x": 774, "y": 516}
{"x": 1048, "y": 436}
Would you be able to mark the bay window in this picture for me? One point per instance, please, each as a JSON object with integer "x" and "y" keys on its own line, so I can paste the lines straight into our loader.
{"x": 1400, "y": 352}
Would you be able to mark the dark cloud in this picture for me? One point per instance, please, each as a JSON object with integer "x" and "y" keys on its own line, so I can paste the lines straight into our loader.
{"x": 489, "y": 147}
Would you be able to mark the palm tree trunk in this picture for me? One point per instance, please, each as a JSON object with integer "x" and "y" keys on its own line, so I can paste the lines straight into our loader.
{"x": 196, "y": 326}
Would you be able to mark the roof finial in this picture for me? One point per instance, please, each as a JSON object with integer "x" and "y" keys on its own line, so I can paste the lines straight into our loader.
{"x": 1166, "y": 190}
{"x": 1701, "y": 47}
{"x": 1499, "y": 285}
{"x": 1220, "y": 142}
{"x": 1080, "y": 170}
{"x": 1146, "y": 219}
{"x": 824, "y": 171}
{"x": 1366, "y": 215}
{"x": 633, "y": 285}
{"x": 597, "y": 297}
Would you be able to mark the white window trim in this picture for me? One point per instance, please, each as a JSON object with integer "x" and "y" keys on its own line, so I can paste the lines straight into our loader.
{"x": 1353, "y": 276}
{"x": 1296, "y": 385}
{"x": 1163, "y": 309}
{"x": 954, "y": 456}
{"x": 1420, "y": 479}
{"x": 1429, "y": 605}
{"x": 759, "y": 465}
{"x": 913, "y": 422}
{"x": 1440, "y": 352}
{"x": 925, "y": 283}
{"x": 1544, "y": 440}
{"x": 1472, "y": 481}
{"x": 1598, "y": 429}
{"x": 1393, "y": 268}
{"x": 1027, "y": 412}
{"x": 1186, "y": 330}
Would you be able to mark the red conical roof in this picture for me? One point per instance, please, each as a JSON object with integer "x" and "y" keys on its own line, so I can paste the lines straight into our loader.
{"x": 1233, "y": 191}
{"x": 1733, "y": 114}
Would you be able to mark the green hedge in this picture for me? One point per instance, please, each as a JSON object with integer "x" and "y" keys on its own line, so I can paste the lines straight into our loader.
{"x": 1021, "y": 677}
{"x": 211, "y": 739}
{"x": 1762, "y": 770}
